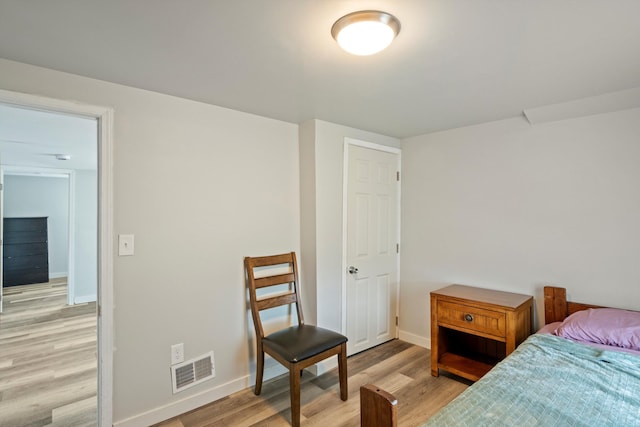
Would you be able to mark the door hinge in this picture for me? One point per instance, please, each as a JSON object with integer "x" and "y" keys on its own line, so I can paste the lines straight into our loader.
{"x": 397, "y": 248}
{"x": 398, "y": 176}
{"x": 396, "y": 320}
{"x": 1, "y": 187}
{"x": 99, "y": 310}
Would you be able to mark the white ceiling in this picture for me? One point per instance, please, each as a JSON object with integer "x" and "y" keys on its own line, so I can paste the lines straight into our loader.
{"x": 455, "y": 62}
{"x": 33, "y": 139}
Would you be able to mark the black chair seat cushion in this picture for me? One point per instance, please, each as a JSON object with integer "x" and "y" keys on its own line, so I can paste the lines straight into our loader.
{"x": 301, "y": 342}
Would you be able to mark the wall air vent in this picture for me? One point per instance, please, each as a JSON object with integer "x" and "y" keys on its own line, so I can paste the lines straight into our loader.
{"x": 192, "y": 372}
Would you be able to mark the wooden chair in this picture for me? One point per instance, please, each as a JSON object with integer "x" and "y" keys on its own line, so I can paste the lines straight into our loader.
{"x": 296, "y": 347}
{"x": 377, "y": 407}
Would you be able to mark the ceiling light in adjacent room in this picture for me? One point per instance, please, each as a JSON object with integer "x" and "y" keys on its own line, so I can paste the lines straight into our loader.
{"x": 63, "y": 157}
{"x": 365, "y": 32}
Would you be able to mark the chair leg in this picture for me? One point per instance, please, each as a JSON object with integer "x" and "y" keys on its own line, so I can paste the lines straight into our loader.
{"x": 342, "y": 372}
{"x": 294, "y": 390}
{"x": 259, "y": 370}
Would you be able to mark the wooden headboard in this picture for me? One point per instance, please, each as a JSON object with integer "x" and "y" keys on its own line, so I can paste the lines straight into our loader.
{"x": 556, "y": 306}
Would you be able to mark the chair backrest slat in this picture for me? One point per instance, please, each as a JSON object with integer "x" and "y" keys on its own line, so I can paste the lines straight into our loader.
{"x": 271, "y": 260}
{"x": 276, "y": 301}
{"x": 280, "y": 279}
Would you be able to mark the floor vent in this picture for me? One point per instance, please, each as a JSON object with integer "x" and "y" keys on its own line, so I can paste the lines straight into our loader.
{"x": 192, "y": 372}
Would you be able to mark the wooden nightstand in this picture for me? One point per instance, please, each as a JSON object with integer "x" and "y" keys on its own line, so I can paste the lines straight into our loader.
{"x": 472, "y": 329}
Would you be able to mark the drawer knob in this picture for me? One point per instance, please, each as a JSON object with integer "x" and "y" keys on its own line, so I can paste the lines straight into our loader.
{"x": 468, "y": 317}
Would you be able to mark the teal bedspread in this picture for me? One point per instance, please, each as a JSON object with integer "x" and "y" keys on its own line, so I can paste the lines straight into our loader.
{"x": 550, "y": 381}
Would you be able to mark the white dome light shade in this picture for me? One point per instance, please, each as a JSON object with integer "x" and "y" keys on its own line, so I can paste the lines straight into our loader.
{"x": 365, "y": 32}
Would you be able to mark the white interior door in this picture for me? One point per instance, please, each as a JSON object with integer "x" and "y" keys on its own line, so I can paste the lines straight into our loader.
{"x": 372, "y": 246}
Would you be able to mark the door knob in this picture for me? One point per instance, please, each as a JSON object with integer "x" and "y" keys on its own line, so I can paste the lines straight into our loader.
{"x": 353, "y": 270}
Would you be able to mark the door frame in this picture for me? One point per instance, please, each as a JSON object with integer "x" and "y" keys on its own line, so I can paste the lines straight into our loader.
{"x": 345, "y": 181}
{"x": 104, "y": 116}
{"x": 55, "y": 173}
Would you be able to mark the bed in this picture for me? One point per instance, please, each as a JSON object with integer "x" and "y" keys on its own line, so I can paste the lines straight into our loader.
{"x": 552, "y": 380}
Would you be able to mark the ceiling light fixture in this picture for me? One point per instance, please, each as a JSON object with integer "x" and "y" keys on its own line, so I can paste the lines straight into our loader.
{"x": 63, "y": 157}
{"x": 365, "y": 32}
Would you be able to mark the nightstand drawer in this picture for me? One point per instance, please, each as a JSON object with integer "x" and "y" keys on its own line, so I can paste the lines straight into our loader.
{"x": 471, "y": 318}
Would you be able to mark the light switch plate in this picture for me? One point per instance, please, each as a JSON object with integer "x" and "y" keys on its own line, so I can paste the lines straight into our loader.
{"x": 125, "y": 244}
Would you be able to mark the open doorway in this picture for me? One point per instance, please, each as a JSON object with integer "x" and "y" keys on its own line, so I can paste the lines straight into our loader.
{"x": 36, "y": 138}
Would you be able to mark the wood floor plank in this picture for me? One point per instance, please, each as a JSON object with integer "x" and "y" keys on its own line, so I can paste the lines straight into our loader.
{"x": 77, "y": 413}
{"x": 399, "y": 367}
{"x": 48, "y": 363}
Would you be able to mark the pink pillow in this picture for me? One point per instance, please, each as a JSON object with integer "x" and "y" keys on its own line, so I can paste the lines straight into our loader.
{"x": 609, "y": 326}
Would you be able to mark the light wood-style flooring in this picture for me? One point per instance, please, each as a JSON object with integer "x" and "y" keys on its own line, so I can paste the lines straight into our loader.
{"x": 398, "y": 367}
{"x": 48, "y": 358}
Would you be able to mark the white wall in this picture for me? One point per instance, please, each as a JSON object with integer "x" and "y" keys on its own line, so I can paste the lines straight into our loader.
{"x": 307, "y": 263}
{"x": 511, "y": 206}
{"x": 200, "y": 187}
{"x": 322, "y": 149}
{"x": 34, "y": 196}
{"x": 86, "y": 236}
{"x": 502, "y": 205}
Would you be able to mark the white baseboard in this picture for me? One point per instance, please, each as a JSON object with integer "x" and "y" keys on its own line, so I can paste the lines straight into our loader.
{"x": 58, "y": 275}
{"x": 181, "y": 406}
{"x": 272, "y": 369}
{"x": 415, "y": 339}
{"x": 85, "y": 298}
{"x": 324, "y": 366}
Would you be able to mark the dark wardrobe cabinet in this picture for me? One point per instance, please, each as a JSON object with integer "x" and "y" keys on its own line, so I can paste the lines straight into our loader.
{"x": 26, "y": 251}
